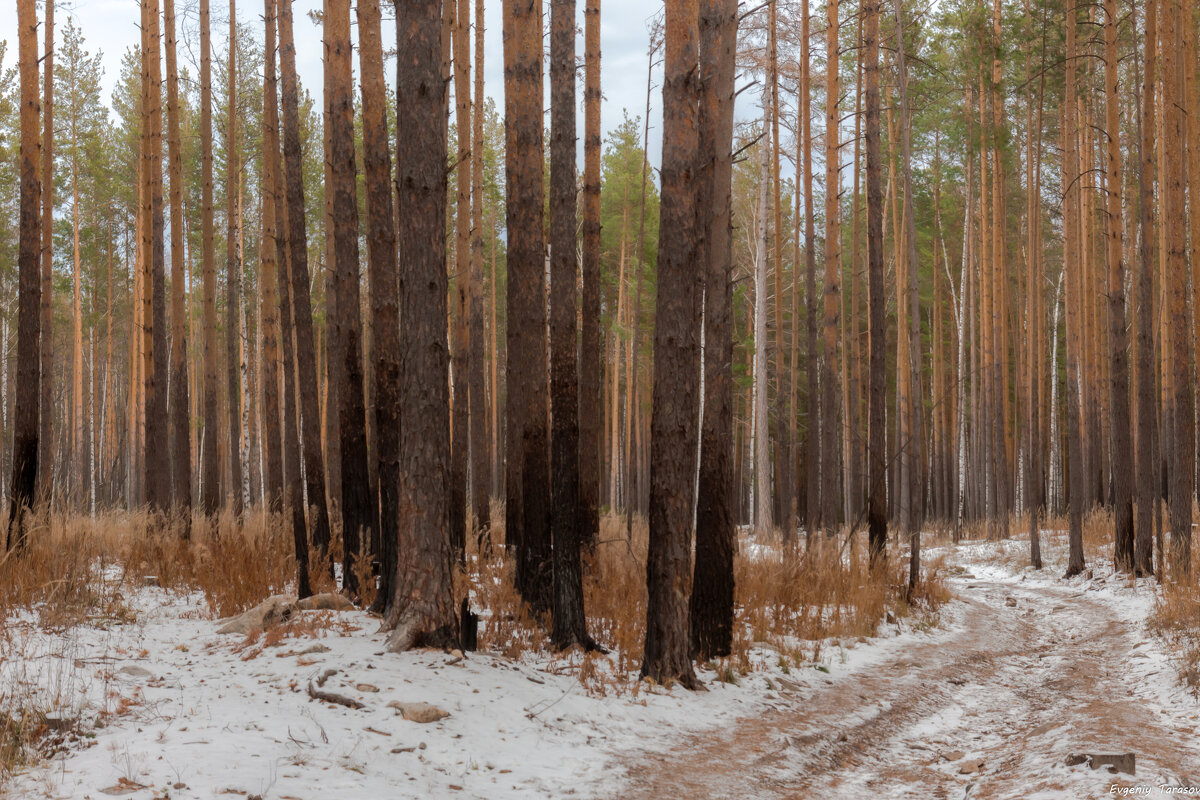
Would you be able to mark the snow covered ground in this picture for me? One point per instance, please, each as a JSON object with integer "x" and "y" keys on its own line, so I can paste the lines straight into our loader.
{"x": 167, "y": 707}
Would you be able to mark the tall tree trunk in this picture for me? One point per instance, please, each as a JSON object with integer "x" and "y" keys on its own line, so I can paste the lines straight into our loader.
{"x": 358, "y": 509}
{"x": 1119, "y": 386}
{"x": 1071, "y": 262}
{"x": 812, "y": 438}
{"x": 589, "y": 353}
{"x": 422, "y": 612}
{"x": 305, "y": 354}
{"x": 833, "y": 288}
{"x": 570, "y": 624}
{"x": 292, "y": 485}
{"x": 763, "y": 520}
{"x": 29, "y": 289}
{"x": 210, "y": 458}
{"x": 45, "y": 472}
{"x": 1180, "y": 400}
{"x": 460, "y": 23}
{"x": 1147, "y": 458}
{"x": 382, "y": 260}
{"x": 480, "y": 469}
{"x": 783, "y": 446}
{"x": 676, "y": 401}
{"x": 711, "y": 607}
{"x": 527, "y": 512}
{"x": 877, "y": 375}
{"x": 180, "y": 416}
{"x": 233, "y": 277}
{"x": 154, "y": 322}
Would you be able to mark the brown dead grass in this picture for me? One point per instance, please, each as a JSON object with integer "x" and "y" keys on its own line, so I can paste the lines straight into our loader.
{"x": 789, "y": 601}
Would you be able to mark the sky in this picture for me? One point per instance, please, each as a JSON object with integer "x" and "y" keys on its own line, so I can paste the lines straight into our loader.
{"x": 111, "y": 27}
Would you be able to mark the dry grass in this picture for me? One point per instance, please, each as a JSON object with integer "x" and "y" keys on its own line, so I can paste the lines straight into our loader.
{"x": 792, "y": 602}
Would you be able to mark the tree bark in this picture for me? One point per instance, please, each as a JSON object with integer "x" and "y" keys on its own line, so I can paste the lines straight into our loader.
{"x": 179, "y": 412}
{"x": 357, "y": 506}
{"x": 676, "y": 406}
{"x": 29, "y": 290}
{"x": 833, "y": 287}
{"x": 382, "y": 263}
{"x": 1147, "y": 457}
{"x": 233, "y": 279}
{"x": 459, "y": 444}
{"x": 711, "y": 605}
{"x": 570, "y": 624}
{"x": 305, "y": 354}
{"x": 527, "y": 513}
{"x": 589, "y": 354}
{"x": 480, "y": 468}
{"x": 422, "y": 612}
{"x": 45, "y": 472}
{"x": 877, "y": 375}
{"x": 210, "y": 460}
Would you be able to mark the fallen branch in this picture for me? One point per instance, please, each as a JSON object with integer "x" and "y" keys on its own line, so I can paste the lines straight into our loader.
{"x": 332, "y": 697}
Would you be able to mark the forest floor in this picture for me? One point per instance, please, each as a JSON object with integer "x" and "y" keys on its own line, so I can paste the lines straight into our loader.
{"x": 984, "y": 698}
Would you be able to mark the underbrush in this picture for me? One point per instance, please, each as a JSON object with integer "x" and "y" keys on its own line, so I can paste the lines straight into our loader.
{"x": 1176, "y": 620}
{"x": 793, "y": 601}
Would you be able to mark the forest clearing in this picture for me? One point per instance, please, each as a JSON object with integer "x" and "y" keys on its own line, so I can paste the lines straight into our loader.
{"x": 384, "y": 414}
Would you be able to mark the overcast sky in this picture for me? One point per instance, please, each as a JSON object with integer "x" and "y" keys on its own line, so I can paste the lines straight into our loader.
{"x": 111, "y": 27}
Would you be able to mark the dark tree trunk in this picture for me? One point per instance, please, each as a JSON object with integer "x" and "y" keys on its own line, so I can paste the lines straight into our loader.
{"x": 358, "y": 508}
{"x": 180, "y": 412}
{"x": 210, "y": 471}
{"x": 459, "y": 434}
{"x": 293, "y": 486}
{"x": 589, "y": 352}
{"x": 1119, "y": 385}
{"x": 385, "y": 319}
{"x": 711, "y": 607}
{"x": 1147, "y": 458}
{"x": 45, "y": 441}
{"x": 480, "y": 469}
{"x": 877, "y": 461}
{"x": 527, "y": 512}
{"x": 269, "y": 275}
{"x": 570, "y": 625}
{"x": 422, "y": 611}
{"x": 29, "y": 289}
{"x": 305, "y": 354}
{"x": 676, "y": 400}
{"x": 156, "y": 459}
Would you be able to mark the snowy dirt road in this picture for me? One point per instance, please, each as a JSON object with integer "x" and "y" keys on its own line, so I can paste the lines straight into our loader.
{"x": 990, "y": 712}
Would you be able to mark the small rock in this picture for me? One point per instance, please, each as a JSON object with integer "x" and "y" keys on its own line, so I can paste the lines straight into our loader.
{"x": 59, "y": 720}
{"x": 419, "y": 712}
{"x": 150, "y": 580}
{"x": 1011, "y": 602}
{"x": 316, "y": 648}
{"x": 421, "y": 746}
{"x": 134, "y": 671}
{"x": 267, "y": 614}
{"x": 366, "y": 687}
{"x": 971, "y": 767}
{"x": 891, "y": 618}
{"x": 1115, "y": 762}
{"x": 953, "y": 755}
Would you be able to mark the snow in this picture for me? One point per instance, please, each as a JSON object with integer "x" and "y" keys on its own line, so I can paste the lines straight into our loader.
{"x": 227, "y": 716}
